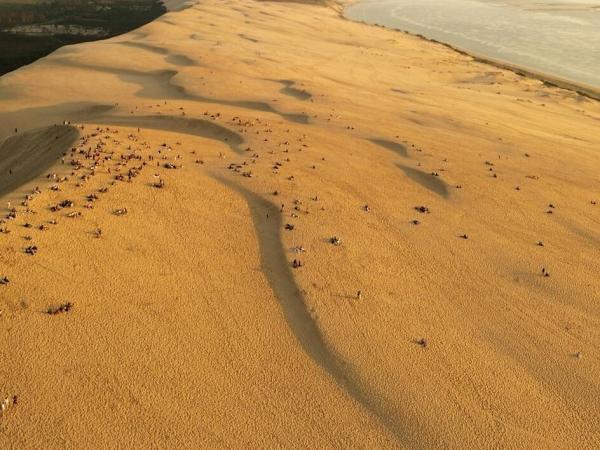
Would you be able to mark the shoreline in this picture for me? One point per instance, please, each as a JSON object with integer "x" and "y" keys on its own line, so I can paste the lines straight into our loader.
{"x": 549, "y": 80}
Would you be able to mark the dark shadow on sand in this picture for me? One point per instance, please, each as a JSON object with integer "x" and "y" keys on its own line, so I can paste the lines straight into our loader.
{"x": 276, "y": 268}
{"x": 195, "y": 127}
{"x": 159, "y": 85}
{"x": 391, "y": 145}
{"x": 428, "y": 181}
{"x": 290, "y": 90}
{"x": 248, "y": 38}
{"x": 26, "y": 156}
{"x": 45, "y": 116}
{"x": 170, "y": 57}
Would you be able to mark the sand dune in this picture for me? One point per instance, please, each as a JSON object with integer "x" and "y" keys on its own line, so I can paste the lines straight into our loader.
{"x": 256, "y": 224}
{"x": 28, "y": 155}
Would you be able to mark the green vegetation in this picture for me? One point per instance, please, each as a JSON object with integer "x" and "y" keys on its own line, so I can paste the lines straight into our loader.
{"x": 30, "y": 29}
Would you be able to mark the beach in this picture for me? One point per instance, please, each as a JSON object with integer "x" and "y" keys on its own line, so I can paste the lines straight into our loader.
{"x": 256, "y": 224}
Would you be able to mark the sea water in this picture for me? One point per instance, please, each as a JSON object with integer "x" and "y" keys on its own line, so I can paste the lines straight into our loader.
{"x": 560, "y": 38}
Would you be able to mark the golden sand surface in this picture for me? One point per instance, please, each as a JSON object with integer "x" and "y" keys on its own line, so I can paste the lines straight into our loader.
{"x": 260, "y": 225}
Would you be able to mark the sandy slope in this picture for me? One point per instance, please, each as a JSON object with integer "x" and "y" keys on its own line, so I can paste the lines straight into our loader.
{"x": 189, "y": 325}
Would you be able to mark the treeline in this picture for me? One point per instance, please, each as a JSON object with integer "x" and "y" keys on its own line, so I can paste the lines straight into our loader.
{"x": 11, "y": 16}
{"x": 113, "y": 16}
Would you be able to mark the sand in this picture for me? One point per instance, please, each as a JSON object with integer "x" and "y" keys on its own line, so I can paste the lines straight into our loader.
{"x": 208, "y": 150}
